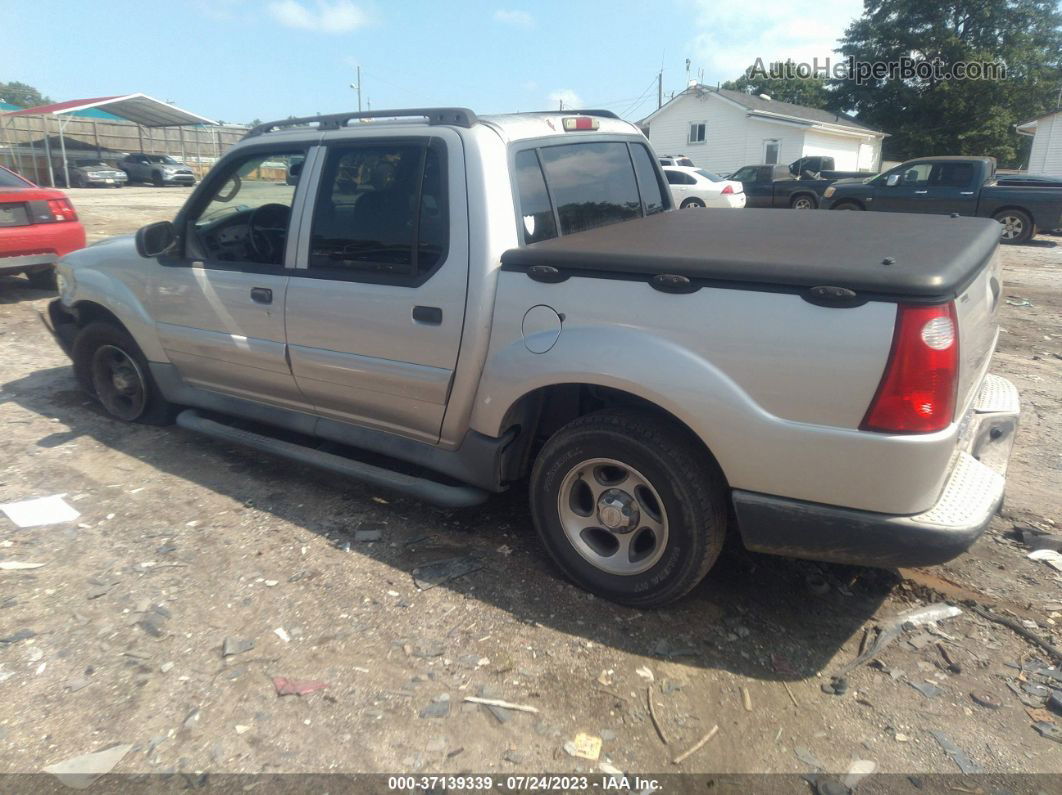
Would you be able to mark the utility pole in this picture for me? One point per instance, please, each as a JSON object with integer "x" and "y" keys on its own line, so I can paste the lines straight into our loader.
{"x": 660, "y": 89}
{"x": 357, "y": 87}
{"x": 560, "y": 104}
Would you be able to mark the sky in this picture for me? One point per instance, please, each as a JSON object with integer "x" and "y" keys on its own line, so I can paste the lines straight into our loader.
{"x": 238, "y": 60}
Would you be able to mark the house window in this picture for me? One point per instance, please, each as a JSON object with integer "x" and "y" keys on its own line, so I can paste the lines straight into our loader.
{"x": 698, "y": 132}
{"x": 770, "y": 150}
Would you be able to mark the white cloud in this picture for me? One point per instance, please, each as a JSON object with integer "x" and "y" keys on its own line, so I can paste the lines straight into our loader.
{"x": 565, "y": 95}
{"x": 530, "y": 85}
{"x": 520, "y": 19}
{"x": 325, "y": 16}
{"x": 732, "y": 36}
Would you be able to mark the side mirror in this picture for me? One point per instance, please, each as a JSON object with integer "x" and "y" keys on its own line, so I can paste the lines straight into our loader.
{"x": 892, "y": 180}
{"x": 155, "y": 239}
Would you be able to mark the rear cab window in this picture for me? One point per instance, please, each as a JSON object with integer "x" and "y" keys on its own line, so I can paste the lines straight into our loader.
{"x": 572, "y": 187}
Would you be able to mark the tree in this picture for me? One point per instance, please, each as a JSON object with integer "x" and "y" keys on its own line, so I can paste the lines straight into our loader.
{"x": 936, "y": 114}
{"x": 781, "y": 82}
{"x": 22, "y": 95}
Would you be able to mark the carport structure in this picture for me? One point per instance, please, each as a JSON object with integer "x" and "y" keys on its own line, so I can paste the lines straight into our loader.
{"x": 140, "y": 109}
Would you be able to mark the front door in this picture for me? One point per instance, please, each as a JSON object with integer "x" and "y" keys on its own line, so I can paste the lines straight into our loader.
{"x": 909, "y": 188}
{"x": 219, "y": 303}
{"x": 374, "y": 321}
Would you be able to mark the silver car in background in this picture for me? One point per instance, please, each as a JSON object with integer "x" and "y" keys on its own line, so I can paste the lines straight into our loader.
{"x": 159, "y": 170}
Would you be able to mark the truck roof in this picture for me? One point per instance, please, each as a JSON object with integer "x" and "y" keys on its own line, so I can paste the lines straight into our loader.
{"x": 510, "y": 126}
{"x": 888, "y": 256}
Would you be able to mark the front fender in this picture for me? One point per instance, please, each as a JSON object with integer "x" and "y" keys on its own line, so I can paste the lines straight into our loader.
{"x": 112, "y": 275}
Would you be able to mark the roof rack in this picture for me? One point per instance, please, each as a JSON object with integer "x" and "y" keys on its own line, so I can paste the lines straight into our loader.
{"x": 460, "y": 117}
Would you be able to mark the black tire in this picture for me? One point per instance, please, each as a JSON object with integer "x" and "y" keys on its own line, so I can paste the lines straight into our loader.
{"x": 77, "y": 181}
{"x": 95, "y": 347}
{"x": 1017, "y": 226}
{"x": 847, "y": 206}
{"x": 42, "y": 280}
{"x": 692, "y": 503}
{"x": 156, "y": 179}
{"x": 692, "y": 204}
{"x": 803, "y": 201}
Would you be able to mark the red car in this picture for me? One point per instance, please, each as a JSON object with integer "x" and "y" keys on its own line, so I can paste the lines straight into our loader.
{"x": 37, "y": 227}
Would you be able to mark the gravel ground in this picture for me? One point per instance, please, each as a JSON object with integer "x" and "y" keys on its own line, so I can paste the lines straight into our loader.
{"x": 185, "y": 545}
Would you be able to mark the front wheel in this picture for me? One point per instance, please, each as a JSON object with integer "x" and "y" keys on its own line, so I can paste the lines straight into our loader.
{"x": 110, "y": 365}
{"x": 629, "y": 506}
{"x": 156, "y": 180}
{"x": 692, "y": 204}
{"x": 1017, "y": 226}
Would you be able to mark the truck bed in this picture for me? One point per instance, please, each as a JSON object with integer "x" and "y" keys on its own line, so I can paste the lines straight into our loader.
{"x": 932, "y": 257}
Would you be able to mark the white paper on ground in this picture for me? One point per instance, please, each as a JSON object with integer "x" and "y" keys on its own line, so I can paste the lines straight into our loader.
{"x": 17, "y": 565}
{"x": 1051, "y": 557}
{"x": 41, "y": 511}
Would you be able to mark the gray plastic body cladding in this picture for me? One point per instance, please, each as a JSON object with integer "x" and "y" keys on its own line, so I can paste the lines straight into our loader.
{"x": 436, "y": 493}
{"x": 476, "y": 461}
{"x": 973, "y": 493}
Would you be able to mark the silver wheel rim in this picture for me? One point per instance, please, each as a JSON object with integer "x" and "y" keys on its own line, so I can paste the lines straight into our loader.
{"x": 694, "y": 205}
{"x": 1013, "y": 226}
{"x": 612, "y": 516}
{"x": 802, "y": 204}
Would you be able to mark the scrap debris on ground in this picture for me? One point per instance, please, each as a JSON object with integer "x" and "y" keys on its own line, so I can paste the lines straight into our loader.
{"x": 191, "y": 606}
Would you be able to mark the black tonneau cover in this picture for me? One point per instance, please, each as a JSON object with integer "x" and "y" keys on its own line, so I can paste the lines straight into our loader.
{"x": 930, "y": 256}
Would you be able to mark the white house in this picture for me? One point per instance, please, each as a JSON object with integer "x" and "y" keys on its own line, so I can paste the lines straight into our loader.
{"x": 1046, "y": 155}
{"x": 722, "y": 130}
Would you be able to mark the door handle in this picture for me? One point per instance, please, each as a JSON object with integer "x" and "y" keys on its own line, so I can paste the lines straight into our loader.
{"x": 431, "y": 315}
{"x": 261, "y": 295}
{"x": 920, "y": 192}
{"x": 966, "y": 193}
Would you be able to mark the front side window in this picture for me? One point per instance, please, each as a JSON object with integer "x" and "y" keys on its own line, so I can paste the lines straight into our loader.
{"x": 248, "y": 212}
{"x": 917, "y": 175}
{"x": 381, "y": 212}
{"x": 698, "y": 132}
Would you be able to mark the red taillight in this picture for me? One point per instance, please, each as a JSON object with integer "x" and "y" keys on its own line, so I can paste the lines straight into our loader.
{"x": 727, "y": 189}
{"x": 917, "y": 391}
{"x": 62, "y": 209}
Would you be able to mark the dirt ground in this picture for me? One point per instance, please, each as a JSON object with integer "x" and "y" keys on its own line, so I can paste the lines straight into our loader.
{"x": 183, "y": 543}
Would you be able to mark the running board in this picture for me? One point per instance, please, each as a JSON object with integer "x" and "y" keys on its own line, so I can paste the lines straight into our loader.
{"x": 422, "y": 489}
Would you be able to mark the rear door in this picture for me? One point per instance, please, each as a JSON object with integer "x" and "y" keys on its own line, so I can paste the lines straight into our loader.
{"x": 374, "y": 319}
{"x": 219, "y": 304}
{"x": 952, "y": 188}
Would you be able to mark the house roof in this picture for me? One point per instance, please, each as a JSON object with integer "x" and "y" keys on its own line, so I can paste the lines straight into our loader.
{"x": 139, "y": 108}
{"x": 773, "y": 108}
{"x": 1029, "y": 127}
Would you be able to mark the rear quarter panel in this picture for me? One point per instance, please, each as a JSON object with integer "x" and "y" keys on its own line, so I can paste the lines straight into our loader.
{"x": 774, "y": 386}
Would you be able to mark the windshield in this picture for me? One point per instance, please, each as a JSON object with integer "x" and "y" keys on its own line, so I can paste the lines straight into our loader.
{"x": 709, "y": 175}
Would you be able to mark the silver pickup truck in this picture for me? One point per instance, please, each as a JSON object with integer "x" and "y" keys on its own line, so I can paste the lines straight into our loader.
{"x": 480, "y": 302}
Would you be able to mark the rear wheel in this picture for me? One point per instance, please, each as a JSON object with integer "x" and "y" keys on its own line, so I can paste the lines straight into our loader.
{"x": 156, "y": 179}
{"x": 77, "y": 181}
{"x": 694, "y": 204}
{"x": 1017, "y": 226}
{"x": 803, "y": 203}
{"x": 629, "y": 506}
{"x": 110, "y": 365}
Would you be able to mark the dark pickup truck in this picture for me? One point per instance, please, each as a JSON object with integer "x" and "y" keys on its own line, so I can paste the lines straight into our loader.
{"x": 775, "y": 186}
{"x": 953, "y": 185}
{"x": 799, "y": 185}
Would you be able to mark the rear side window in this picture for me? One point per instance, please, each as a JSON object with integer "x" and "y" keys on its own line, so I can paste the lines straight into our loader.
{"x": 381, "y": 213}
{"x": 745, "y": 174}
{"x": 952, "y": 175}
{"x": 648, "y": 183}
{"x": 581, "y": 186}
{"x": 535, "y": 209}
